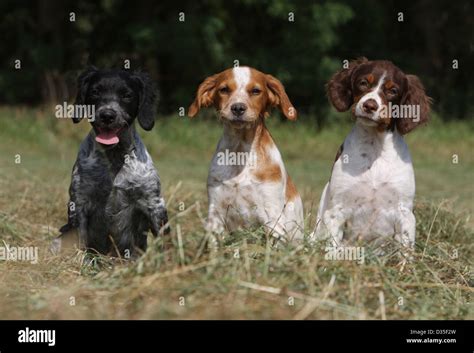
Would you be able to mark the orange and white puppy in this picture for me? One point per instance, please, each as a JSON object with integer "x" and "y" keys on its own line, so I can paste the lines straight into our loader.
{"x": 248, "y": 184}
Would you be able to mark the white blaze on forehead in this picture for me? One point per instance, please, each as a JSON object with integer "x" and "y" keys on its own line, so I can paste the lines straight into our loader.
{"x": 241, "y": 77}
{"x": 381, "y": 81}
{"x": 374, "y": 94}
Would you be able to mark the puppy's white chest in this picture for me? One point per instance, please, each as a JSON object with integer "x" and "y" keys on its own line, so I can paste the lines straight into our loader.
{"x": 243, "y": 200}
{"x": 371, "y": 182}
{"x": 240, "y": 191}
{"x": 135, "y": 173}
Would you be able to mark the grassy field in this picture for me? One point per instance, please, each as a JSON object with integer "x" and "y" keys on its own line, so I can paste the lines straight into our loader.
{"x": 246, "y": 278}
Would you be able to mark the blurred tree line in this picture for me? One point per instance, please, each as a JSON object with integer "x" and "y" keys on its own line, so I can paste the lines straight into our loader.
{"x": 181, "y": 42}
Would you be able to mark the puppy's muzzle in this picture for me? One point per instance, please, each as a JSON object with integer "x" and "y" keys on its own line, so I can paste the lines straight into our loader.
{"x": 107, "y": 117}
{"x": 370, "y": 106}
{"x": 238, "y": 109}
{"x": 107, "y": 127}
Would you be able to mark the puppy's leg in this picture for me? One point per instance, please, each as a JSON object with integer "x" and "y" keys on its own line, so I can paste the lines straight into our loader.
{"x": 77, "y": 224}
{"x": 123, "y": 223}
{"x": 331, "y": 226}
{"x": 97, "y": 234}
{"x": 294, "y": 220}
{"x": 215, "y": 223}
{"x": 405, "y": 231}
{"x": 215, "y": 226}
{"x": 319, "y": 228}
{"x": 66, "y": 242}
{"x": 274, "y": 220}
{"x": 158, "y": 215}
{"x": 158, "y": 219}
{"x": 140, "y": 227}
{"x": 130, "y": 224}
{"x": 123, "y": 234}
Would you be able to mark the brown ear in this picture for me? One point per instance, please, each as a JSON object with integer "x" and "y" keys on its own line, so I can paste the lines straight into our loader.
{"x": 278, "y": 97}
{"x": 339, "y": 87}
{"x": 417, "y": 98}
{"x": 204, "y": 95}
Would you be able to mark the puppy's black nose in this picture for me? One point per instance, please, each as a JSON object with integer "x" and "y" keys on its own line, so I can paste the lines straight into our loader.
{"x": 370, "y": 105}
{"x": 238, "y": 108}
{"x": 107, "y": 116}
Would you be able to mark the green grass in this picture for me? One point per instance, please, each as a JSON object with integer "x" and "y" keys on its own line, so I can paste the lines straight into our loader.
{"x": 245, "y": 278}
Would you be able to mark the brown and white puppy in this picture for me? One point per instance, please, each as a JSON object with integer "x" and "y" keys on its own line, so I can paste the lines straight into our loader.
{"x": 372, "y": 187}
{"x": 248, "y": 184}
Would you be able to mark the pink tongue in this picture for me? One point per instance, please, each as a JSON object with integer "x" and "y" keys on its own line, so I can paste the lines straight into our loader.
{"x": 107, "y": 138}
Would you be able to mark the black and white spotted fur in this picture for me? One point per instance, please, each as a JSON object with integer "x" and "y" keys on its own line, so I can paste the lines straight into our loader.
{"x": 115, "y": 191}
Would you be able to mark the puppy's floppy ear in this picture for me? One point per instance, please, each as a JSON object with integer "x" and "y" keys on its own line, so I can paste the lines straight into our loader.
{"x": 416, "y": 97}
{"x": 146, "y": 100}
{"x": 339, "y": 87}
{"x": 82, "y": 87}
{"x": 204, "y": 95}
{"x": 278, "y": 97}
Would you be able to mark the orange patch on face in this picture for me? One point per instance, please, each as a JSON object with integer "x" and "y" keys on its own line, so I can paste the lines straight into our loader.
{"x": 290, "y": 192}
{"x": 225, "y": 79}
{"x": 389, "y": 84}
{"x": 258, "y": 102}
{"x": 370, "y": 78}
{"x": 207, "y": 93}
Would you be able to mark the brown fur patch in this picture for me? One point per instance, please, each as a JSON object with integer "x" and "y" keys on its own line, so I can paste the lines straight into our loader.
{"x": 271, "y": 172}
{"x": 207, "y": 93}
{"x": 266, "y": 168}
{"x": 272, "y": 94}
{"x": 383, "y": 127}
{"x": 344, "y": 94}
{"x": 370, "y": 78}
{"x": 290, "y": 192}
{"x": 389, "y": 84}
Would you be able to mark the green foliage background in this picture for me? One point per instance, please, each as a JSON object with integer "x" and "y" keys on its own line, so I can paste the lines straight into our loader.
{"x": 179, "y": 55}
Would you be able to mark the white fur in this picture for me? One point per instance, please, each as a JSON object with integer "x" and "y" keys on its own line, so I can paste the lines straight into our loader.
{"x": 238, "y": 200}
{"x": 242, "y": 77}
{"x": 375, "y": 95}
{"x": 371, "y": 195}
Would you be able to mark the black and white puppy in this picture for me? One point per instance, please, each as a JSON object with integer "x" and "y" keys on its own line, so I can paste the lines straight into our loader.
{"x": 115, "y": 192}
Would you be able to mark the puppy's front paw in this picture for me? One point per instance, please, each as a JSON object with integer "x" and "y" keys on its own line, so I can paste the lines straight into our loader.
{"x": 55, "y": 246}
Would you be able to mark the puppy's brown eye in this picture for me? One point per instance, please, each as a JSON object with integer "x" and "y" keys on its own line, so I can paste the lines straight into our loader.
{"x": 393, "y": 91}
{"x": 224, "y": 90}
{"x": 363, "y": 84}
{"x": 255, "y": 91}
